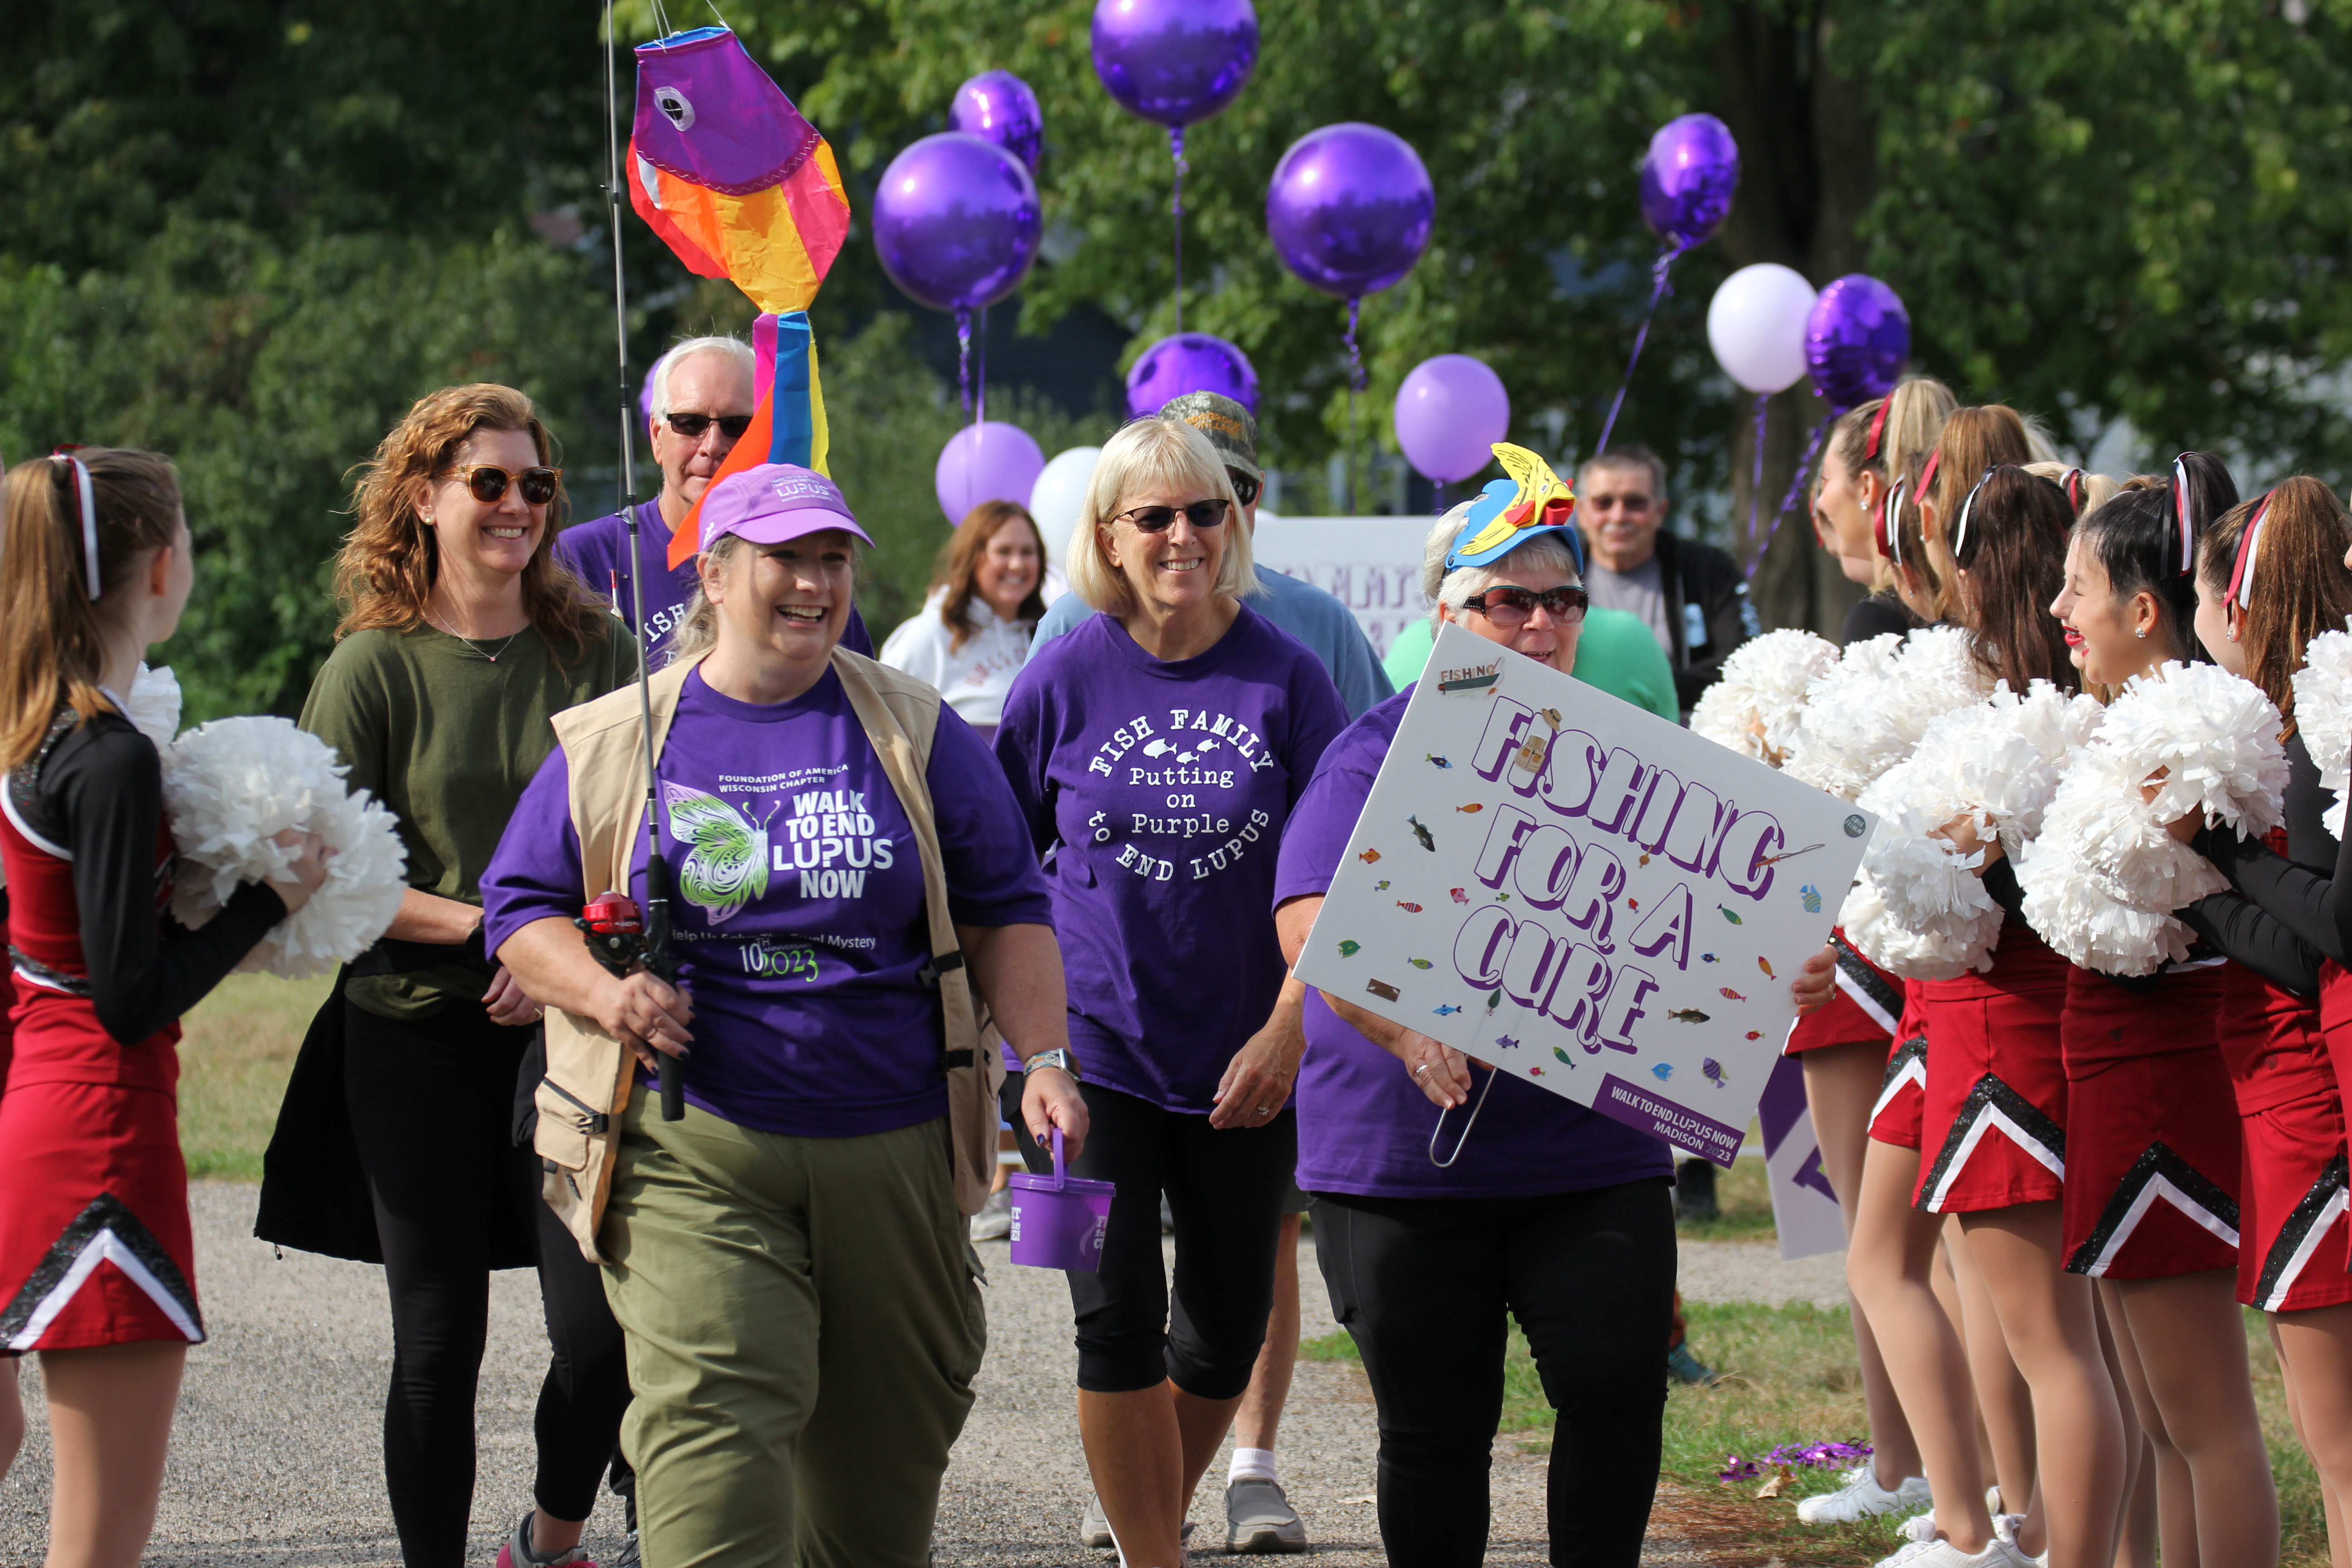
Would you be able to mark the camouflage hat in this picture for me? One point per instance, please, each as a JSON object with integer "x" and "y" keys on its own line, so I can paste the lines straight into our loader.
{"x": 1227, "y": 423}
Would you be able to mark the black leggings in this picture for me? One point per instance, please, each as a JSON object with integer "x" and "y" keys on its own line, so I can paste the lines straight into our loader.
{"x": 432, "y": 1109}
{"x": 1224, "y": 1192}
{"x": 1424, "y": 1285}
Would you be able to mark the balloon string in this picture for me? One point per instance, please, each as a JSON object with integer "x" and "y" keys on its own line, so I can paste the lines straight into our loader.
{"x": 1658, "y": 270}
{"x": 963, "y": 358}
{"x": 1756, "y": 478}
{"x": 1355, "y": 384}
{"x": 980, "y": 373}
{"x": 1796, "y": 489}
{"x": 1176, "y": 208}
{"x": 1439, "y": 510}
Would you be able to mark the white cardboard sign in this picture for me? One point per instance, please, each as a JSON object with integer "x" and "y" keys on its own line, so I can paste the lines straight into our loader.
{"x": 1371, "y": 565}
{"x": 1805, "y": 1210}
{"x": 1570, "y": 888}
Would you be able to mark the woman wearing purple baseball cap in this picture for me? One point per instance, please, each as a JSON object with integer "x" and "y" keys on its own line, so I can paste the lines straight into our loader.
{"x": 1156, "y": 751}
{"x": 790, "y": 1260}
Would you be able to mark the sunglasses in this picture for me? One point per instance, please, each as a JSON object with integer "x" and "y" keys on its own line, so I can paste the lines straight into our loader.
{"x": 692, "y": 425}
{"x": 1160, "y": 519}
{"x": 489, "y": 485}
{"x": 1510, "y": 606}
{"x": 1245, "y": 487}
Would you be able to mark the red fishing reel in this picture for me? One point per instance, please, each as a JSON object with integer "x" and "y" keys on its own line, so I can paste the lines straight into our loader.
{"x": 616, "y": 931}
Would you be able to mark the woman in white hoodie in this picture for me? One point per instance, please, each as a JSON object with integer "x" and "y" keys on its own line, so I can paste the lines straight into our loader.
{"x": 972, "y": 636}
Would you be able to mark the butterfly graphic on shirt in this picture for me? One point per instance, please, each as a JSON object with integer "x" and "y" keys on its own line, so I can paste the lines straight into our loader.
{"x": 727, "y": 866}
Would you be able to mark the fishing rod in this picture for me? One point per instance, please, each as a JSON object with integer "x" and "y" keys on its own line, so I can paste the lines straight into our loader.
{"x": 616, "y": 936}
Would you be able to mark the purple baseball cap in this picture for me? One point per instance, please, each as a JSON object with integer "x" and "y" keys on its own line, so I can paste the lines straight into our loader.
{"x": 772, "y": 502}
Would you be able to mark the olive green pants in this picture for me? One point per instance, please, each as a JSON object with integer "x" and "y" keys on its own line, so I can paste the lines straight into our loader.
{"x": 803, "y": 1322}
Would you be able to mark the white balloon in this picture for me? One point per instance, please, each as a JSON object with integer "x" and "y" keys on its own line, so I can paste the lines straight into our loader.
{"x": 1059, "y": 494}
{"x": 1756, "y": 325}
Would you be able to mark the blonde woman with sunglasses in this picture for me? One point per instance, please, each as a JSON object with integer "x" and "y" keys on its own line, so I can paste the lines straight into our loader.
{"x": 462, "y": 635}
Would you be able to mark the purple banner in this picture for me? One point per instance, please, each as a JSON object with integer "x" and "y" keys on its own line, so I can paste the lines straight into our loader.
{"x": 1663, "y": 1119}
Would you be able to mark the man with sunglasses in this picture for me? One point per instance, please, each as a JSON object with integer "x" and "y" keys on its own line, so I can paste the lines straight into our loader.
{"x": 1326, "y": 627}
{"x": 1692, "y": 596}
{"x": 702, "y": 403}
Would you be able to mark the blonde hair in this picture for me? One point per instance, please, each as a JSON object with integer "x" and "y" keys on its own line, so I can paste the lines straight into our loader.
{"x": 1153, "y": 453}
{"x": 52, "y": 637}
{"x": 385, "y": 571}
{"x": 1915, "y": 413}
{"x": 2085, "y": 491}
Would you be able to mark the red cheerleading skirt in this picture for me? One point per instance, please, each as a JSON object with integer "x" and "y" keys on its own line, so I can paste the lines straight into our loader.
{"x": 2297, "y": 1238}
{"x": 2153, "y": 1164}
{"x": 1861, "y": 1010}
{"x": 1903, "y": 1092}
{"x": 1993, "y": 1126}
{"x": 96, "y": 1246}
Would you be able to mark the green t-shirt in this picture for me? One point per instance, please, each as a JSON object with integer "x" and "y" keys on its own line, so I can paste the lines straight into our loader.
{"x": 447, "y": 740}
{"x": 1614, "y": 652}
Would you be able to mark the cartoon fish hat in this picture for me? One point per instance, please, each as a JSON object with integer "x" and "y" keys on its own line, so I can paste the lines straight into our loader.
{"x": 1509, "y": 513}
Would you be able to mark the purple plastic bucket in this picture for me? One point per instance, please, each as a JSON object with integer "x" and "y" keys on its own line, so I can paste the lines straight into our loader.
{"x": 1058, "y": 1220}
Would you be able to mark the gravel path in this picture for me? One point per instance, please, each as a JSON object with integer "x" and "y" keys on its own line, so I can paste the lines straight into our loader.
{"x": 275, "y": 1456}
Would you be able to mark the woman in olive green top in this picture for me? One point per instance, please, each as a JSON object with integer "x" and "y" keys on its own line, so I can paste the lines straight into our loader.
{"x": 462, "y": 635}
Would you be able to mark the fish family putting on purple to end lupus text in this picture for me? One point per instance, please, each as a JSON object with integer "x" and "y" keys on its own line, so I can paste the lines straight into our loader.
{"x": 1422, "y": 833}
{"x": 1687, "y": 1015}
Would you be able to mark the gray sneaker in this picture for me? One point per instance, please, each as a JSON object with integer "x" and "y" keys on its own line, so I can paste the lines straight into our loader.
{"x": 1259, "y": 1518}
{"x": 995, "y": 1220}
{"x": 1094, "y": 1529}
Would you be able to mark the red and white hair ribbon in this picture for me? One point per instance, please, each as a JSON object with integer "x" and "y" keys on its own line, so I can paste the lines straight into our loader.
{"x": 1890, "y": 525}
{"x": 2180, "y": 510}
{"x": 2072, "y": 486}
{"x": 1960, "y": 529}
{"x": 86, "y": 509}
{"x": 2241, "y": 575}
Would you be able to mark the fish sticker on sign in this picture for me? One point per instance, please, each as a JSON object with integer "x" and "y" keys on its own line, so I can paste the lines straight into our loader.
{"x": 1570, "y": 911}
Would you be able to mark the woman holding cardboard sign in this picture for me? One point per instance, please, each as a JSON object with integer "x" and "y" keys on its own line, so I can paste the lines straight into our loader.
{"x": 1157, "y": 750}
{"x": 1551, "y": 1212}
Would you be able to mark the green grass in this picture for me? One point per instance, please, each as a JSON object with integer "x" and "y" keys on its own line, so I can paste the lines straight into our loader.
{"x": 1790, "y": 1377}
{"x": 236, "y": 1055}
{"x": 1746, "y": 1200}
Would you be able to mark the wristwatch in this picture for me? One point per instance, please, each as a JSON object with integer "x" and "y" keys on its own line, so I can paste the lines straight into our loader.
{"x": 1059, "y": 1057}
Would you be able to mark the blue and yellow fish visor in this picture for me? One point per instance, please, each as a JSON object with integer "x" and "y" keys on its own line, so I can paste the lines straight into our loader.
{"x": 1509, "y": 513}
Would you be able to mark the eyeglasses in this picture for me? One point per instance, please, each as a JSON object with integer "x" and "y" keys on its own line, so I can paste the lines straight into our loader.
{"x": 1160, "y": 519}
{"x": 1511, "y": 606}
{"x": 489, "y": 485}
{"x": 692, "y": 425}
{"x": 1633, "y": 504}
{"x": 1246, "y": 489}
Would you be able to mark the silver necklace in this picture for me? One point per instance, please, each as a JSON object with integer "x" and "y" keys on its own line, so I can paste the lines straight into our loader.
{"x": 469, "y": 642}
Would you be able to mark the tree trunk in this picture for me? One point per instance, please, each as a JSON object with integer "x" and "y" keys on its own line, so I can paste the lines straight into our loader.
{"x": 1808, "y": 169}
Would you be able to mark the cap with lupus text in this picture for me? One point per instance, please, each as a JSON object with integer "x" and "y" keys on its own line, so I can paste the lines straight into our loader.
{"x": 1227, "y": 423}
{"x": 772, "y": 502}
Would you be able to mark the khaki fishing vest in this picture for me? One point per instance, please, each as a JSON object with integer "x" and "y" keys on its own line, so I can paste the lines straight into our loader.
{"x": 589, "y": 1074}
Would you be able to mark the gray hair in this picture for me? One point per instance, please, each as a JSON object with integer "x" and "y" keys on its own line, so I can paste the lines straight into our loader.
{"x": 735, "y": 348}
{"x": 1628, "y": 456}
{"x": 697, "y": 630}
{"x": 1449, "y": 590}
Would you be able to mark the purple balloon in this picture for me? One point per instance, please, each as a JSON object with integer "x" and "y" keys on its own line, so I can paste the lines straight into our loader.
{"x": 988, "y": 461}
{"x": 1687, "y": 179}
{"x": 1857, "y": 342}
{"x": 1450, "y": 412}
{"x": 1190, "y": 362}
{"x": 956, "y": 221}
{"x": 1175, "y": 61}
{"x": 997, "y": 106}
{"x": 1351, "y": 209}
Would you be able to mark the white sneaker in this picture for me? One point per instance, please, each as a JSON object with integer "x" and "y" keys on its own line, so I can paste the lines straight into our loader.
{"x": 1998, "y": 1553}
{"x": 1918, "y": 1527}
{"x": 995, "y": 1220}
{"x": 1862, "y": 1497}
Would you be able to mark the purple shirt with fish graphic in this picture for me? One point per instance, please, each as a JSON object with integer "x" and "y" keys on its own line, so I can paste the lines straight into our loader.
{"x": 1161, "y": 788}
{"x": 799, "y": 914}
{"x": 1363, "y": 1127}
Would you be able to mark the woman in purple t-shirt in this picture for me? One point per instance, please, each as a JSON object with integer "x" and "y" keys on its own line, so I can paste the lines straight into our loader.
{"x": 1547, "y": 1211}
{"x": 1157, "y": 750}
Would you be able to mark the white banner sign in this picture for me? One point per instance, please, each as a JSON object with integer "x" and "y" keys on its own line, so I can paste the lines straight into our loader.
{"x": 1576, "y": 892}
{"x": 1371, "y": 565}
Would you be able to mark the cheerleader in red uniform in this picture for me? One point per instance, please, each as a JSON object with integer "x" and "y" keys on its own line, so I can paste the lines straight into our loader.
{"x": 2268, "y": 581}
{"x": 97, "y": 1269}
{"x": 2152, "y": 1178}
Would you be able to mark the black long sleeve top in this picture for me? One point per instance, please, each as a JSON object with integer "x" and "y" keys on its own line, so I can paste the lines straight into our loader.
{"x": 98, "y": 792}
{"x": 2282, "y": 916}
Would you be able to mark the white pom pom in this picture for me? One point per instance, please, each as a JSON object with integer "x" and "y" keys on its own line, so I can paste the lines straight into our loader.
{"x": 1866, "y": 715}
{"x": 1764, "y": 682}
{"x": 230, "y": 787}
{"x": 2073, "y": 908}
{"x": 2212, "y": 734}
{"x": 153, "y": 705}
{"x": 2323, "y": 716}
{"x": 1906, "y": 954}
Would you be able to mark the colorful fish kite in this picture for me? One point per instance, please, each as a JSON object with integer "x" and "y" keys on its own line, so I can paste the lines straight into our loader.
{"x": 740, "y": 187}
